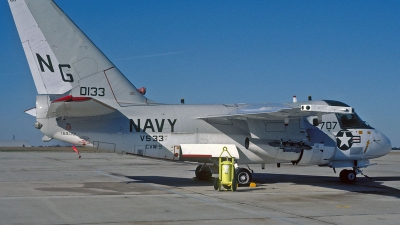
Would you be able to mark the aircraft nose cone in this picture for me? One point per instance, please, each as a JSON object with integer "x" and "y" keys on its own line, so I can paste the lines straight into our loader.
{"x": 380, "y": 146}
{"x": 385, "y": 143}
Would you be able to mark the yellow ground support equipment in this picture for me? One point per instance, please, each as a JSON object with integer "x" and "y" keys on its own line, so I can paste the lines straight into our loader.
{"x": 226, "y": 176}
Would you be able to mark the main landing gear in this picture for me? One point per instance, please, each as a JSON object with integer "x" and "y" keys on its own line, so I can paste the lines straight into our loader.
{"x": 203, "y": 172}
{"x": 243, "y": 175}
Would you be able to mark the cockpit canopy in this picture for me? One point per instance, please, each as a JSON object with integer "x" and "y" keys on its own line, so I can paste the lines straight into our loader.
{"x": 348, "y": 121}
{"x": 351, "y": 121}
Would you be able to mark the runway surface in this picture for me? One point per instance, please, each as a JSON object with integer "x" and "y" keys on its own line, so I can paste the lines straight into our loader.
{"x": 107, "y": 188}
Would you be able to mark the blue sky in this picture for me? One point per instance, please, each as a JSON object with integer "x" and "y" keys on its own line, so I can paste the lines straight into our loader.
{"x": 230, "y": 52}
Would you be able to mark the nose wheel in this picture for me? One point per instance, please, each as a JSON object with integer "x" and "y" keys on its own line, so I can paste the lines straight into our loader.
{"x": 348, "y": 176}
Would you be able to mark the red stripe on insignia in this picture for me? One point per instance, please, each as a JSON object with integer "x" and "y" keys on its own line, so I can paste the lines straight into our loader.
{"x": 356, "y": 139}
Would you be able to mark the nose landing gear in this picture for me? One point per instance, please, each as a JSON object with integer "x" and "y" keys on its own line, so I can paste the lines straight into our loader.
{"x": 350, "y": 176}
{"x": 347, "y": 176}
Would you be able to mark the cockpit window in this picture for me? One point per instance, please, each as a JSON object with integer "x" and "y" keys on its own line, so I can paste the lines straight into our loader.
{"x": 351, "y": 121}
{"x": 336, "y": 103}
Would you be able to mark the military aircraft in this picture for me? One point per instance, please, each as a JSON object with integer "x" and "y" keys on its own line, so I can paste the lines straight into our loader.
{"x": 83, "y": 99}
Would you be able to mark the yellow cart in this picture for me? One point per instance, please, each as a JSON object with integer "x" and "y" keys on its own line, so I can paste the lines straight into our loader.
{"x": 226, "y": 173}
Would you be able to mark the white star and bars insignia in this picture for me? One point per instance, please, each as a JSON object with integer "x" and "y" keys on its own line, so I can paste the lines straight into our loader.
{"x": 344, "y": 139}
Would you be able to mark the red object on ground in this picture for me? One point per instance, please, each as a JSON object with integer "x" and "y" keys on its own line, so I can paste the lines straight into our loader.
{"x": 76, "y": 150}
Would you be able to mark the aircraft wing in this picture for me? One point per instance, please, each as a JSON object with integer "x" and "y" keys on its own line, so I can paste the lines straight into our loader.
{"x": 274, "y": 112}
{"x": 262, "y": 120}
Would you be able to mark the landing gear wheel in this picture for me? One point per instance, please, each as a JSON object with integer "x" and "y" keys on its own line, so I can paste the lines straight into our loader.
{"x": 342, "y": 175}
{"x": 234, "y": 184}
{"x": 243, "y": 176}
{"x": 203, "y": 172}
{"x": 216, "y": 183}
{"x": 347, "y": 176}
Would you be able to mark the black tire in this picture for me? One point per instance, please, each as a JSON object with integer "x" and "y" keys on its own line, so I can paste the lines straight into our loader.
{"x": 351, "y": 176}
{"x": 216, "y": 183}
{"x": 234, "y": 184}
{"x": 342, "y": 175}
{"x": 203, "y": 172}
{"x": 243, "y": 176}
{"x": 348, "y": 176}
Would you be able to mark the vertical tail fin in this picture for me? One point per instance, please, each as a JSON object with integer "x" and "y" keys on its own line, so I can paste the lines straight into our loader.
{"x": 61, "y": 58}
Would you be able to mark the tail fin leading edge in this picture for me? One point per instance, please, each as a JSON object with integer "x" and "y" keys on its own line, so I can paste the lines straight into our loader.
{"x": 61, "y": 58}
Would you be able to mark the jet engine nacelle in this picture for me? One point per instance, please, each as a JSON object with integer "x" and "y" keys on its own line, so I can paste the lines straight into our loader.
{"x": 262, "y": 148}
{"x": 318, "y": 154}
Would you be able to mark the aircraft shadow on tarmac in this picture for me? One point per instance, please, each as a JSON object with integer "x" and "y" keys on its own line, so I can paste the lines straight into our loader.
{"x": 373, "y": 185}
{"x": 362, "y": 185}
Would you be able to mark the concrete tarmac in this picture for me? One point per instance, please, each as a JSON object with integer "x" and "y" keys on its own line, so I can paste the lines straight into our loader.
{"x": 106, "y": 188}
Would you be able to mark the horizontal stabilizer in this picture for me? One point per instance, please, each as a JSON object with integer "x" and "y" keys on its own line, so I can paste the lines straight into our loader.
{"x": 46, "y": 138}
{"x": 77, "y": 107}
{"x": 31, "y": 112}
